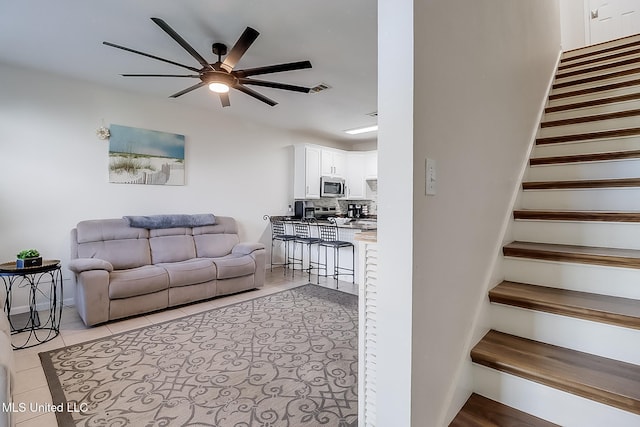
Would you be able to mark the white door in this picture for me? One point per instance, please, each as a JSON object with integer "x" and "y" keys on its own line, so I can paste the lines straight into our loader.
{"x": 612, "y": 19}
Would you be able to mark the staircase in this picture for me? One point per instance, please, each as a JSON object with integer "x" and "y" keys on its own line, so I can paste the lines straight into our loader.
{"x": 564, "y": 348}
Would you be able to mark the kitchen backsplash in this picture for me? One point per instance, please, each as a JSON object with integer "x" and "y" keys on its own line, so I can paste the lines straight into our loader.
{"x": 342, "y": 205}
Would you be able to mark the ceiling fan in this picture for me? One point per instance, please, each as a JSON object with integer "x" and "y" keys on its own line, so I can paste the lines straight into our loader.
{"x": 221, "y": 75}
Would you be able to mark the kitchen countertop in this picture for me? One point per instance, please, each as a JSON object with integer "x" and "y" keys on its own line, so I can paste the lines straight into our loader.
{"x": 364, "y": 224}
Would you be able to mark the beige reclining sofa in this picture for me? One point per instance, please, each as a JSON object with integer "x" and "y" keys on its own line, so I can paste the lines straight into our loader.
{"x": 124, "y": 268}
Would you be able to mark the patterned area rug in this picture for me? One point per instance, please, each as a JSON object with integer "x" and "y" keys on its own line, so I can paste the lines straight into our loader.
{"x": 287, "y": 359}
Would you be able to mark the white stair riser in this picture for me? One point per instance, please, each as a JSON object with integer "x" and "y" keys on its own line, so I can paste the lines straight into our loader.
{"x": 618, "y": 199}
{"x": 593, "y": 96}
{"x": 600, "y": 60}
{"x": 548, "y": 403}
{"x": 602, "y": 234}
{"x": 587, "y": 147}
{"x": 588, "y": 127}
{"x": 614, "y": 281}
{"x": 597, "y": 83}
{"x": 603, "y": 340}
{"x": 589, "y": 170}
{"x": 591, "y": 111}
{"x": 596, "y": 48}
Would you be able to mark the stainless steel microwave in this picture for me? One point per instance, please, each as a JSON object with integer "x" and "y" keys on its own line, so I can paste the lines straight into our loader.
{"x": 331, "y": 187}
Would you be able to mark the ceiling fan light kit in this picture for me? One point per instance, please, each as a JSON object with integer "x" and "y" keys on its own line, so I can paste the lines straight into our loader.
{"x": 221, "y": 76}
{"x": 218, "y": 87}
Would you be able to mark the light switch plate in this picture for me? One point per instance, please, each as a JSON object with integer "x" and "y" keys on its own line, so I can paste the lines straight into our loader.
{"x": 430, "y": 177}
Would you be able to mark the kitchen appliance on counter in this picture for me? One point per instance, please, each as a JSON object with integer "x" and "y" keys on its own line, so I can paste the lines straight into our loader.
{"x": 354, "y": 210}
{"x": 304, "y": 209}
{"x": 325, "y": 212}
{"x": 331, "y": 186}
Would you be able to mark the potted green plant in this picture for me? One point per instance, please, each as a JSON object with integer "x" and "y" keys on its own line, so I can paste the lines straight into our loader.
{"x": 28, "y": 258}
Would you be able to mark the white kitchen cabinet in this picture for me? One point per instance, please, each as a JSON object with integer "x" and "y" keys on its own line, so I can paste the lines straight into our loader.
{"x": 334, "y": 163}
{"x": 306, "y": 180}
{"x": 356, "y": 184}
{"x": 371, "y": 165}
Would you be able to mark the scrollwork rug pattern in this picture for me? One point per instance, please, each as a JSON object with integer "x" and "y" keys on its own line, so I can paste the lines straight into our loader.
{"x": 286, "y": 359}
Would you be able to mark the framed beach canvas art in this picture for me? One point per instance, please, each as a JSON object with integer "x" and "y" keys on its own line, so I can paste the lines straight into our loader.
{"x": 142, "y": 156}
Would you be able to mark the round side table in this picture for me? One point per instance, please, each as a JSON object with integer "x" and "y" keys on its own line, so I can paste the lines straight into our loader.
{"x": 45, "y": 287}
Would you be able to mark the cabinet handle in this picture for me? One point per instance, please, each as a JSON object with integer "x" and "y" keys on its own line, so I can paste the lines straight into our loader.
{"x": 307, "y": 189}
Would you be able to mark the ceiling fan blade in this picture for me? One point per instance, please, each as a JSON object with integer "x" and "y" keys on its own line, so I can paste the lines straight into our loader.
{"x": 187, "y": 90}
{"x": 150, "y": 56}
{"x": 255, "y": 94}
{"x": 224, "y": 99}
{"x": 197, "y": 76}
{"x": 182, "y": 42}
{"x": 274, "y": 85}
{"x": 300, "y": 65}
{"x": 244, "y": 42}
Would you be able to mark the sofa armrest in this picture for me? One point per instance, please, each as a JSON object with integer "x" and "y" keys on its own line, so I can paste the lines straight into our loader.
{"x": 258, "y": 253}
{"x": 79, "y": 265}
{"x": 246, "y": 248}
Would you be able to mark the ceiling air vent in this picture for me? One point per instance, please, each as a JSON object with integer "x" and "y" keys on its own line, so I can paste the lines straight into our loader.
{"x": 319, "y": 88}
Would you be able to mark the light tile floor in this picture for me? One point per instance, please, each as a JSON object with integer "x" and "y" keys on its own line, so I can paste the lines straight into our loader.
{"x": 31, "y": 386}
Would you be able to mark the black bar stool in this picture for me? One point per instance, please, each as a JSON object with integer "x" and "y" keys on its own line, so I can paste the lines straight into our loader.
{"x": 302, "y": 230}
{"x": 279, "y": 234}
{"x": 329, "y": 235}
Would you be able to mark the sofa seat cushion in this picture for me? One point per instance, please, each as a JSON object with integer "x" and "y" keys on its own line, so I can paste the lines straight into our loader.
{"x": 234, "y": 265}
{"x": 190, "y": 272}
{"x": 137, "y": 281}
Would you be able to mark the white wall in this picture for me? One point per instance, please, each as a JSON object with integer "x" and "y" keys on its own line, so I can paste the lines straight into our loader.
{"x": 477, "y": 101}
{"x": 481, "y": 70}
{"x": 54, "y": 168}
{"x": 572, "y": 18}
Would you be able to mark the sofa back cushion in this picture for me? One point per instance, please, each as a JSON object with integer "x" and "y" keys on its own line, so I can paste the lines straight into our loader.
{"x": 171, "y": 245}
{"x": 114, "y": 241}
{"x": 128, "y": 247}
{"x": 214, "y": 241}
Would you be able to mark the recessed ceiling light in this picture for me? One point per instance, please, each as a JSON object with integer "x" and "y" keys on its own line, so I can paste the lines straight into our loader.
{"x": 362, "y": 130}
{"x": 319, "y": 88}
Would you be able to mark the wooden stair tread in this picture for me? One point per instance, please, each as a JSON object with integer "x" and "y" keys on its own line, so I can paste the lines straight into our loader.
{"x": 617, "y": 311}
{"x": 563, "y": 215}
{"x": 580, "y": 158}
{"x": 631, "y": 43}
{"x": 593, "y": 103}
{"x": 480, "y": 411}
{"x": 597, "y": 378}
{"x": 595, "y": 68}
{"x": 595, "y": 89}
{"x": 592, "y": 118}
{"x": 612, "y": 257}
{"x": 582, "y": 184}
{"x": 616, "y": 133}
{"x": 599, "y": 77}
{"x": 565, "y": 65}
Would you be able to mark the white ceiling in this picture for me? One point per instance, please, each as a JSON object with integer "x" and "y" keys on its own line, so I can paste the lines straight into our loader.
{"x": 339, "y": 37}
